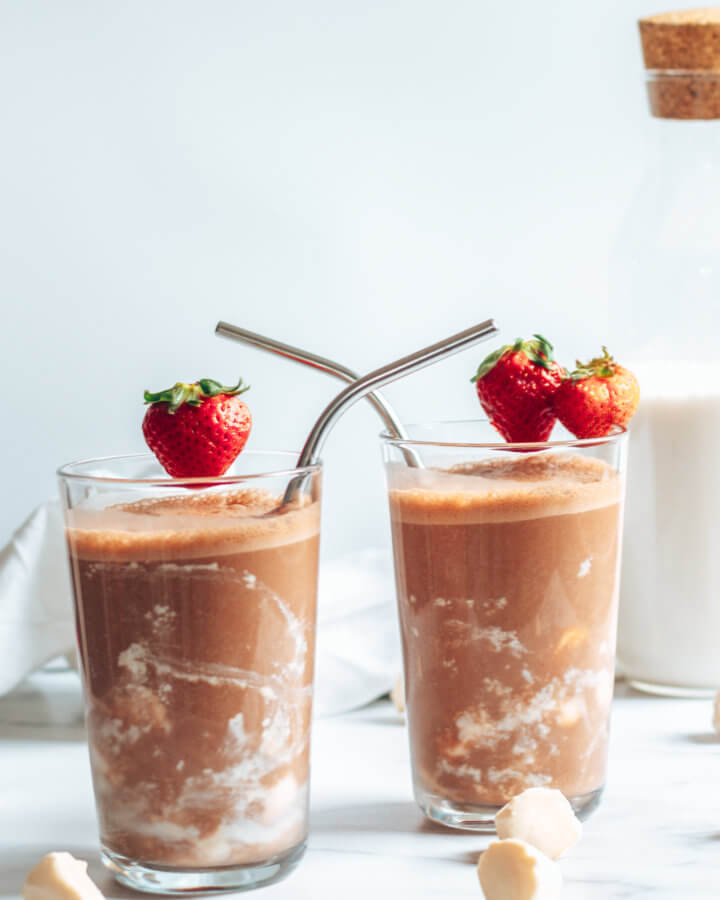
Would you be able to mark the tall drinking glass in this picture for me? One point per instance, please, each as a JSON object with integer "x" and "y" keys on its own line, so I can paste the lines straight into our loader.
{"x": 195, "y": 609}
{"x": 506, "y": 565}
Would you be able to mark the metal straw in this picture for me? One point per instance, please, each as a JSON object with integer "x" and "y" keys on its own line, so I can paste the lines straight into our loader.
{"x": 305, "y": 357}
{"x": 310, "y": 453}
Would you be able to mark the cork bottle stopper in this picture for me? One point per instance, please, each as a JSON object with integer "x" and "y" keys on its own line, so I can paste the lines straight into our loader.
{"x": 681, "y": 51}
{"x": 689, "y": 39}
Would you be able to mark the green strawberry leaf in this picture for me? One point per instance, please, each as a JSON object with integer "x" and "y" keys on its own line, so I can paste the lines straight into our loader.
{"x": 490, "y": 361}
{"x": 539, "y": 351}
{"x": 599, "y": 367}
{"x": 193, "y": 394}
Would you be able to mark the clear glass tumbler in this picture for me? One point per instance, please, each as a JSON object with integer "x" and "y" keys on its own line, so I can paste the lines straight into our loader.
{"x": 195, "y": 608}
{"x": 506, "y": 565}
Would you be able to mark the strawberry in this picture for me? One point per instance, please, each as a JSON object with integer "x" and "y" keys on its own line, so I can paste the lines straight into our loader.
{"x": 515, "y": 385}
{"x": 197, "y": 429}
{"x": 596, "y": 396}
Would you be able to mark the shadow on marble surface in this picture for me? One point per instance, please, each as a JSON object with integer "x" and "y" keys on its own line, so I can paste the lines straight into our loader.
{"x": 397, "y": 721}
{"x": 407, "y": 833}
{"x": 379, "y": 817}
{"x": 402, "y": 817}
{"x": 470, "y": 857}
{"x": 712, "y": 837}
{"x": 20, "y": 731}
{"x": 702, "y": 738}
{"x": 47, "y": 706}
{"x": 33, "y": 716}
{"x": 625, "y": 691}
{"x": 14, "y": 867}
{"x": 708, "y": 737}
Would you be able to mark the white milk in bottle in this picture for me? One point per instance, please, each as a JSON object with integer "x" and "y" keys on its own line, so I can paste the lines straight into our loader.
{"x": 665, "y": 314}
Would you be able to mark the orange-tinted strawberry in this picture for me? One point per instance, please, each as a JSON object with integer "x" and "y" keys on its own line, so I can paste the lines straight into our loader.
{"x": 515, "y": 386}
{"x": 596, "y": 396}
{"x": 197, "y": 429}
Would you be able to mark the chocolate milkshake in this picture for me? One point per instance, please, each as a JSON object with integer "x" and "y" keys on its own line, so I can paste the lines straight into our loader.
{"x": 196, "y": 622}
{"x": 506, "y": 573}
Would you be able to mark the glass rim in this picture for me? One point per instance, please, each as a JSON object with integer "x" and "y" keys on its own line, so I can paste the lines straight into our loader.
{"x": 65, "y": 471}
{"x": 617, "y": 432}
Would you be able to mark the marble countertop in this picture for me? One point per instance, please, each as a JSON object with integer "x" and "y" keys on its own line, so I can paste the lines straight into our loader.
{"x": 656, "y": 833}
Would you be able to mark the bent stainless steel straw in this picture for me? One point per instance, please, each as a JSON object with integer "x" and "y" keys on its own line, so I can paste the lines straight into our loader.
{"x": 305, "y": 357}
{"x": 358, "y": 387}
{"x": 310, "y": 453}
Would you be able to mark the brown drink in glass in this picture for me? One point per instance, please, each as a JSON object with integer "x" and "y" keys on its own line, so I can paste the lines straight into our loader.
{"x": 506, "y": 567}
{"x": 195, "y": 607}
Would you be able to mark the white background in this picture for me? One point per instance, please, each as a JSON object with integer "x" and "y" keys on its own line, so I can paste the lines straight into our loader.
{"x": 360, "y": 178}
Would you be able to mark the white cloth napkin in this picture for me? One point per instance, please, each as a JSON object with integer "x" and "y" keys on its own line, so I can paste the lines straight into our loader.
{"x": 358, "y": 645}
{"x": 36, "y": 622}
{"x": 358, "y": 650}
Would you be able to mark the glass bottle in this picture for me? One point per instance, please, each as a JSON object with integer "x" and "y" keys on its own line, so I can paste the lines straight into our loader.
{"x": 664, "y": 309}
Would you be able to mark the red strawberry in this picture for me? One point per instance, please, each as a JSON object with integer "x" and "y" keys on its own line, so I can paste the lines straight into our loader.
{"x": 596, "y": 396}
{"x": 515, "y": 385}
{"x": 197, "y": 429}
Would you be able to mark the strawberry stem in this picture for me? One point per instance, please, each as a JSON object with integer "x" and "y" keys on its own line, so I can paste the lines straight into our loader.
{"x": 600, "y": 367}
{"x": 194, "y": 393}
{"x": 539, "y": 350}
